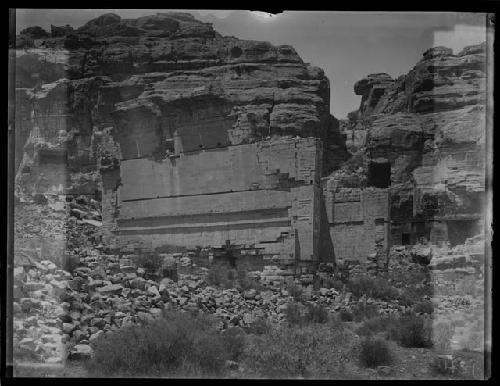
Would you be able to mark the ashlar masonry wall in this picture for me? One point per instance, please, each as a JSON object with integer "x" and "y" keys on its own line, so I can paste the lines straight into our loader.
{"x": 358, "y": 221}
{"x": 262, "y": 194}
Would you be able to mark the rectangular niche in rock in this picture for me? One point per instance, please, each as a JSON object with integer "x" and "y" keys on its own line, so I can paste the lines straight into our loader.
{"x": 379, "y": 174}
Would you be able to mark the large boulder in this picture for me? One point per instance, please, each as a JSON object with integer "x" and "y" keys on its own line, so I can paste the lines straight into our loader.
{"x": 110, "y": 289}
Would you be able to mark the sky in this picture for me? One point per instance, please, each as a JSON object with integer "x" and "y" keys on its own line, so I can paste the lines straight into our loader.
{"x": 346, "y": 45}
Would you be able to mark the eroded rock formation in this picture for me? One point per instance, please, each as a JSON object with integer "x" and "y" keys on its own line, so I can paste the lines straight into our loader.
{"x": 181, "y": 138}
{"x": 422, "y": 136}
{"x": 190, "y": 137}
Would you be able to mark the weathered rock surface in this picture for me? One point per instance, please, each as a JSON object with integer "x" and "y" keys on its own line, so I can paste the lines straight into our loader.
{"x": 159, "y": 70}
{"x": 429, "y": 127}
{"x": 144, "y": 78}
{"x": 151, "y": 88}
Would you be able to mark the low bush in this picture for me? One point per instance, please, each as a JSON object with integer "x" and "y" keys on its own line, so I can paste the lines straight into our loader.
{"x": 177, "y": 344}
{"x": 293, "y": 314}
{"x": 297, "y": 314}
{"x": 375, "y": 352}
{"x": 373, "y": 287}
{"x": 259, "y": 327}
{"x": 364, "y": 311}
{"x": 410, "y": 277}
{"x": 425, "y": 307}
{"x": 414, "y": 331}
{"x": 392, "y": 327}
{"x": 296, "y": 292}
{"x": 441, "y": 336}
{"x": 364, "y": 330}
{"x": 334, "y": 283}
{"x": 372, "y": 326}
{"x": 412, "y": 295}
{"x": 346, "y": 316}
{"x": 234, "y": 342}
{"x": 378, "y": 324}
{"x": 316, "y": 313}
{"x": 318, "y": 351}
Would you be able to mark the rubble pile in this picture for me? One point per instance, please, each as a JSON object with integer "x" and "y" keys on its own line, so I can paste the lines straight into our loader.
{"x": 55, "y": 308}
{"x": 58, "y": 312}
{"x": 104, "y": 295}
{"x": 105, "y": 291}
{"x": 37, "y": 311}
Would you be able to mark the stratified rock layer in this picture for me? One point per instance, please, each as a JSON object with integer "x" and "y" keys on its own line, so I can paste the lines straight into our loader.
{"x": 429, "y": 128}
{"x": 143, "y": 113}
{"x": 188, "y": 137}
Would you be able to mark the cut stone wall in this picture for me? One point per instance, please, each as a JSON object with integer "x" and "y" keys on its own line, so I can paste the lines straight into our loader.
{"x": 358, "y": 221}
{"x": 257, "y": 166}
{"x": 263, "y": 194}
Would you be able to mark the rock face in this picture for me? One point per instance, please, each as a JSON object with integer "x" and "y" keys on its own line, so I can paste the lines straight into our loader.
{"x": 158, "y": 134}
{"x": 188, "y": 137}
{"x": 422, "y": 137}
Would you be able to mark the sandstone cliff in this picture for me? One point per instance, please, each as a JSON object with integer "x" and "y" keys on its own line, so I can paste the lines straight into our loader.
{"x": 159, "y": 72}
{"x": 143, "y": 91}
{"x": 429, "y": 126}
{"x": 107, "y": 109}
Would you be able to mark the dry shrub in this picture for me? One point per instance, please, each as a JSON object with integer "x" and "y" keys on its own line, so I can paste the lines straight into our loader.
{"x": 259, "y": 327}
{"x": 316, "y": 313}
{"x": 234, "y": 342}
{"x": 364, "y": 311}
{"x": 334, "y": 283}
{"x": 378, "y": 324}
{"x": 318, "y": 351}
{"x": 296, "y": 292}
{"x": 425, "y": 307}
{"x": 441, "y": 335}
{"x": 297, "y": 314}
{"x": 414, "y": 331}
{"x": 413, "y": 295}
{"x": 373, "y": 287}
{"x": 293, "y": 314}
{"x": 375, "y": 352}
{"x": 346, "y": 316}
{"x": 178, "y": 344}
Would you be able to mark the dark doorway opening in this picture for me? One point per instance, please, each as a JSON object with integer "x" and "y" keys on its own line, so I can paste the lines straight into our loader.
{"x": 379, "y": 174}
{"x": 405, "y": 239}
{"x": 236, "y": 52}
